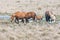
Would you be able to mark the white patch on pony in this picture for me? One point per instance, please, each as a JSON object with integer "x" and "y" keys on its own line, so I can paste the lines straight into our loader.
{"x": 30, "y": 20}
{"x": 53, "y": 18}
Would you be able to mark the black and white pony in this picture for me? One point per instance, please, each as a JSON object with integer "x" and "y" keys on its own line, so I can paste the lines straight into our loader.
{"x": 50, "y": 17}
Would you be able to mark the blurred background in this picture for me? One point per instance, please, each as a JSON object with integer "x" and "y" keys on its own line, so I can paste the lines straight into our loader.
{"x": 38, "y": 6}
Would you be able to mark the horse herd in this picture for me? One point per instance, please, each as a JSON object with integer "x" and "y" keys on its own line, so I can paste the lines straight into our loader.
{"x": 49, "y": 16}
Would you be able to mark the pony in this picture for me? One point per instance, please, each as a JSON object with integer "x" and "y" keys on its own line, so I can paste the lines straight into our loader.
{"x": 50, "y": 17}
{"x": 38, "y": 17}
{"x": 30, "y": 15}
{"x": 18, "y": 15}
{"x": 53, "y": 17}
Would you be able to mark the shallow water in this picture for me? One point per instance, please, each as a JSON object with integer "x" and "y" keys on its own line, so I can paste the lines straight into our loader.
{"x": 4, "y": 17}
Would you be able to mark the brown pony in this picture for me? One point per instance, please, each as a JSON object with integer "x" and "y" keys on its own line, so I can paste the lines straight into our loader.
{"x": 39, "y": 17}
{"x": 18, "y": 15}
{"x": 30, "y": 15}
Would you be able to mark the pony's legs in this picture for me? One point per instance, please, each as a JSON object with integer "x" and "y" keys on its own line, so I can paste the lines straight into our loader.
{"x": 27, "y": 21}
{"x": 53, "y": 21}
{"x": 22, "y": 21}
{"x": 17, "y": 20}
{"x": 34, "y": 19}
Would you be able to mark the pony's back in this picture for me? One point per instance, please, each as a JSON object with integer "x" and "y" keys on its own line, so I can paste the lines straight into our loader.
{"x": 20, "y": 14}
{"x": 38, "y": 17}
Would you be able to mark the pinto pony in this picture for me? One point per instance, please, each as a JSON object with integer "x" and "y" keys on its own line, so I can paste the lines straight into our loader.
{"x": 50, "y": 17}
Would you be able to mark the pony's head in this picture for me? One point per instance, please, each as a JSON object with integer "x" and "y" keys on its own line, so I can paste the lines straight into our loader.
{"x": 12, "y": 17}
{"x": 47, "y": 13}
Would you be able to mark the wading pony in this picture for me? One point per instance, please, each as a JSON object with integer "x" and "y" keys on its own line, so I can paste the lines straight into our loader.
{"x": 30, "y": 15}
{"x": 39, "y": 17}
{"x": 18, "y": 15}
